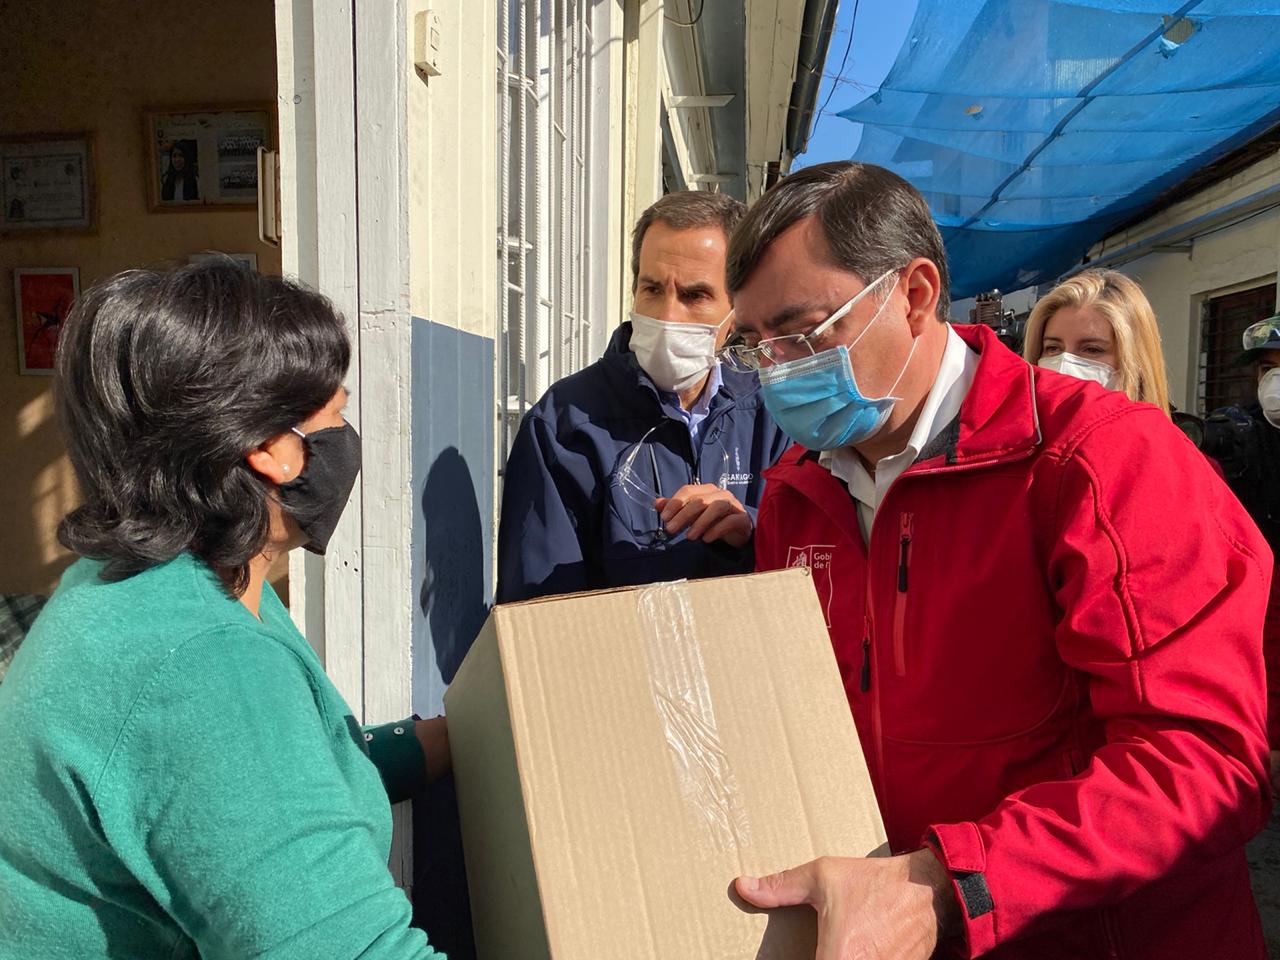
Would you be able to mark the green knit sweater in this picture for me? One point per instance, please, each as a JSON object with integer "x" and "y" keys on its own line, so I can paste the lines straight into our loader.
{"x": 179, "y": 779}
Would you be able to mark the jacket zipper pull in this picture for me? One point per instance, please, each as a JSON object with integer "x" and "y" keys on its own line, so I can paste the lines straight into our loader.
{"x": 904, "y": 544}
{"x": 866, "y": 657}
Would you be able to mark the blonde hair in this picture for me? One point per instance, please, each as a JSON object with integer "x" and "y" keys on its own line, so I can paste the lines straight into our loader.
{"x": 1139, "y": 356}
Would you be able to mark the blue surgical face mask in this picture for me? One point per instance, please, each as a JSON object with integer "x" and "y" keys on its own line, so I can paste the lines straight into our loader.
{"x": 816, "y": 400}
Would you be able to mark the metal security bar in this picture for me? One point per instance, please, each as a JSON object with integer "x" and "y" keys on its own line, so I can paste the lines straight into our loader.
{"x": 1220, "y": 381}
{"x": 546, "y": 120}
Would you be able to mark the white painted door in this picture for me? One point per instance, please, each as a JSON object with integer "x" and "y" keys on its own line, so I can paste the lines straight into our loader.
{"x": 342, "y": 91}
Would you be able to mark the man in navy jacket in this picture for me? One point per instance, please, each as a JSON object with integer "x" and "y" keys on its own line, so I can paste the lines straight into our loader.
{"x": 648, "y": 464}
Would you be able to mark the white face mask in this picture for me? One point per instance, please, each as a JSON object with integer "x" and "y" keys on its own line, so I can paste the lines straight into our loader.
{"x": 1269, "y": 396}
{"x": 675, "y": 355}
{"x": 1082, "y": 368}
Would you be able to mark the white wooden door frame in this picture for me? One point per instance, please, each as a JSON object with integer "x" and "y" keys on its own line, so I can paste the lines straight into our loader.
{"x": 343, "y": 71}
{"x": 316, "y": 92}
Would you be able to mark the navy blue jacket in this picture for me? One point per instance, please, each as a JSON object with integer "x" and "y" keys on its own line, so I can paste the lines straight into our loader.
{"x": 568, "y": 524}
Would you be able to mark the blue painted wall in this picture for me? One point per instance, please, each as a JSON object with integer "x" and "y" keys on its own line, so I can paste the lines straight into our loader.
{"x": 453, "y": 486}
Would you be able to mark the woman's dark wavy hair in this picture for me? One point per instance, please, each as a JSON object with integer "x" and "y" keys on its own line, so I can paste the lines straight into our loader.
{"x": 165, "y": 381}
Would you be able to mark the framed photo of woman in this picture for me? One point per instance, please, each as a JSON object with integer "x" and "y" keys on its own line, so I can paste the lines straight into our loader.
{"x": 205, "y": 157}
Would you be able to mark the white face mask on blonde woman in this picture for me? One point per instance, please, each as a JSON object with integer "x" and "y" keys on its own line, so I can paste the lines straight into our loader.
{"x": 1082, "y": 368}
{"x": 1080, "y": 342}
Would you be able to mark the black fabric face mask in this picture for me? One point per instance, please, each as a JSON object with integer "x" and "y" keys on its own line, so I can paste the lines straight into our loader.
{"x": 316, "y": 497}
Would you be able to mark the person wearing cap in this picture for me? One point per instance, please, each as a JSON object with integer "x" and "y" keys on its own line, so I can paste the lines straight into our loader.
{"x": 1245, "y": 441}
{"x": 645, "y": 466}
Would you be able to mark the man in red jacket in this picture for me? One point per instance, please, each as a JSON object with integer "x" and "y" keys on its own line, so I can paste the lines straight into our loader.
{"x": 1046, "y": 608}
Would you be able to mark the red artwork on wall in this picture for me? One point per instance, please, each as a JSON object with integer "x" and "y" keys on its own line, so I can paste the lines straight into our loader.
{"x": 44, "y": 298}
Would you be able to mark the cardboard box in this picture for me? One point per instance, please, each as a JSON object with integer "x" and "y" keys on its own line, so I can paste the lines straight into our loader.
{"x": 621, "y": 756}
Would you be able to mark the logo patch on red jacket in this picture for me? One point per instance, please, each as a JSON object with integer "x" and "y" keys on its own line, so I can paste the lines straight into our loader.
{"x": 817, "y": 557}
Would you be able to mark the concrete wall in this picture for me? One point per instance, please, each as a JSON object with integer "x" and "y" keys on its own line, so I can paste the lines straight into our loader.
{"x": 453, "y": 146}
{"x": 452, "y": 150}
{"x": 453, "y": 287}
{"x": 1223, "y": 259}
{"x": 79, "y": 66}
{"x": 773, "y": 41}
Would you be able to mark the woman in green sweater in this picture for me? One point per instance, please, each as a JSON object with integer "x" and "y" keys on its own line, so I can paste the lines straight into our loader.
{"x": 178, "y": 776}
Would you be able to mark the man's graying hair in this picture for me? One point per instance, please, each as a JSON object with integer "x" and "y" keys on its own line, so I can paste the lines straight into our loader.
{"x": 685, "y": 210}
{"x": 873, "y": 222}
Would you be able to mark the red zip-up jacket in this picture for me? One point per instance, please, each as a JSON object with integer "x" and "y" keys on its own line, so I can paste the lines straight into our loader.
{"x": 1052, "y": 648}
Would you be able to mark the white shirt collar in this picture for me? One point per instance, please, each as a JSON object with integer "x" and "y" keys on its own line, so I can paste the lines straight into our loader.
{"x": 715, "y": 381}
{"x": 702, "y": 406}
{"x": 955, "y": 376}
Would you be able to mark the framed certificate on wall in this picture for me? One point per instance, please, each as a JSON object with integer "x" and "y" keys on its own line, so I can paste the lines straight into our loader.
{"x": 46, "y": 182}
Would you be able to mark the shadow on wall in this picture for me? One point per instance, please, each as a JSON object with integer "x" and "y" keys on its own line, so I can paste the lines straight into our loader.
{"x": 453, "y": 594}
{"x": 454, "y": 602}
{"x": 42, "y": 490}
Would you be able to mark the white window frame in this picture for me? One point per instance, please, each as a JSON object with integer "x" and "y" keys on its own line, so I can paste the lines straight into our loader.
{"x": 554, "y": 83}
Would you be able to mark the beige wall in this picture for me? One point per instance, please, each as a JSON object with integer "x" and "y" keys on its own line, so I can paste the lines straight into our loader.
{"x": 93, "y": 66}
{"x": 1223, "y": 260}
{"x": 1237, "y": 258}
{"x": 452, "y": 145}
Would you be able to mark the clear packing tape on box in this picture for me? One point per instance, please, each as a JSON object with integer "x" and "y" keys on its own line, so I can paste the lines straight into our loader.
{"x": 682, "y": 697}
{"x": 620, "y": 756}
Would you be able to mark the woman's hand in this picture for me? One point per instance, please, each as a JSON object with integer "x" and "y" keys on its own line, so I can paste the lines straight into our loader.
{"x": 433, "y": 735}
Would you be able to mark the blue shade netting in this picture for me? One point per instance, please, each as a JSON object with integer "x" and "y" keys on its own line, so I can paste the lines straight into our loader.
{"x": 1033, "y": 127}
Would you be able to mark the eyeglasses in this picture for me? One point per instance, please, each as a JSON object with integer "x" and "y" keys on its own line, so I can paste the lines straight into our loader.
{"x": 744, "y": 357}
{"x": 640, "y": 481}
{"x": 1265, "y": 334}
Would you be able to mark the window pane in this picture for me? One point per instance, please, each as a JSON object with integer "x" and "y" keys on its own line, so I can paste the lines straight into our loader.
{"x": 1222, "y": 383}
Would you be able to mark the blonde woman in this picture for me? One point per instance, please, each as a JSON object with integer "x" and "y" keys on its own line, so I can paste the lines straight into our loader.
{"x": 1099, "y": 326}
